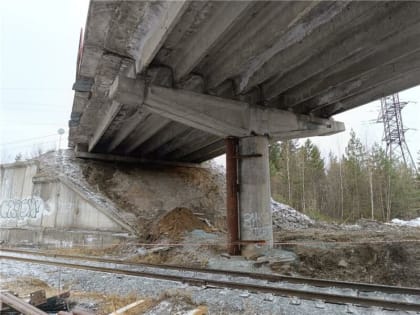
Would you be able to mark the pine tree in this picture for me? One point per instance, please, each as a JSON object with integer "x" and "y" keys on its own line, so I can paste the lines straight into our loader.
{"x": 363, "y": 183}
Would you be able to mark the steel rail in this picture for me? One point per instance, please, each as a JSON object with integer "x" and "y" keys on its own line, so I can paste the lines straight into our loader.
{"x": 361, "y": 287}
{"x": 304, "y": 294}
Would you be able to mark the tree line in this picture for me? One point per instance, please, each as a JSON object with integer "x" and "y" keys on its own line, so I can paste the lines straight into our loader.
{"x": 362, "y": 183}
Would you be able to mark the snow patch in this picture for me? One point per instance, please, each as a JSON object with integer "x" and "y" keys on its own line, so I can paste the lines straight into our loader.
{"x": 412, "y": 223}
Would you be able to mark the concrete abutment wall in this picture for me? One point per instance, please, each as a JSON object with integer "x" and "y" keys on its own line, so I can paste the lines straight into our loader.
{"x": 39, "y": 209}
{"x": 64, "y": 200}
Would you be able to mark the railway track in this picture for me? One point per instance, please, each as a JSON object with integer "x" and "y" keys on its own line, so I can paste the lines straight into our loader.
{"x": 391, "y": 297}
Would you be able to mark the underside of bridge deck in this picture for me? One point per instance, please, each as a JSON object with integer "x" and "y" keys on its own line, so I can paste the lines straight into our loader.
{"x": 170, "y": 80}
{"x": 314, "y": 59}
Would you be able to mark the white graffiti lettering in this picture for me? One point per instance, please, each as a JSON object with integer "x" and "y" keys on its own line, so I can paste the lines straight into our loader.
{"x": 21, "y": 208}
{"x": 251, "y": 220}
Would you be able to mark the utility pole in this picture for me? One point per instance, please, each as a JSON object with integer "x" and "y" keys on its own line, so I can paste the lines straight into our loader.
{"x": 394, "y": 131}
{"x": 394, "y": 137}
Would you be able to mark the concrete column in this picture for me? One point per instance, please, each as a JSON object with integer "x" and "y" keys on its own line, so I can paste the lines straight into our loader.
{"x": 254, "y": 194}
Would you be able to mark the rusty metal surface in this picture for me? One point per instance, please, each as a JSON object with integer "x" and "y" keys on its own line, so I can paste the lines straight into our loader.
{"x": 38, "y": 297}
{"x": 232, "y": 216}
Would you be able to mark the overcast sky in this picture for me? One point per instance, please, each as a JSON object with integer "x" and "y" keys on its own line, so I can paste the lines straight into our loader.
{"x": 38, "y": 49}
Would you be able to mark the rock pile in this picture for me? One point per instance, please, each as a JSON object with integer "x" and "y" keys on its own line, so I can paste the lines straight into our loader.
{"x": 285, "y": 217}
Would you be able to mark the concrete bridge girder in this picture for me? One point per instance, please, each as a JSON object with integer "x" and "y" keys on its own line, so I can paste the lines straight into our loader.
{"x": 219, "y": 116}
{"x": 251, "y": 124}
{"x": 303, "y": 57}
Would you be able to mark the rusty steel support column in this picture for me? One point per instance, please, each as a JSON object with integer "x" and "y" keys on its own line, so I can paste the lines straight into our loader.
{"x": 232, "y": 216}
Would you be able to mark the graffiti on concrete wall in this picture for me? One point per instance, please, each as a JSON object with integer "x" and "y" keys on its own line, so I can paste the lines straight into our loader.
{"x": 256, "y": 226}
{"x": 28, "y": 208}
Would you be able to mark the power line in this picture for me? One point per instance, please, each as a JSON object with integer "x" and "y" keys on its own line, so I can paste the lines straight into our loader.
{"x": 31, "y": 123}
{"x": 35, "y": 88}
{"x": 35, "y": 107}
{"x": 29, "y": 103}
{"x": 32, "y": 145}
{"x": 29, "y": 139}
{"x": 13, "y": 106}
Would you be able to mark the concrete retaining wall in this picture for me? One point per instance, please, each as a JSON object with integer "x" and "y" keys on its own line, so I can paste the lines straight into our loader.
{"x": 40, "y": 209}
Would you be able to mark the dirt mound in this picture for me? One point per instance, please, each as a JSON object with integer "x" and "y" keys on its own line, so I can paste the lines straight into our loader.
{"x": 176, "y": 222}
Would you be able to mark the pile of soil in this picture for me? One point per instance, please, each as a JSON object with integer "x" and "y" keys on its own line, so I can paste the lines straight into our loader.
{"x": 176, "y": 222}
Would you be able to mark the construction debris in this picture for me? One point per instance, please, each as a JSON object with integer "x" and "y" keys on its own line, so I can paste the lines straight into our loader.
{"x": 37, "y": 300}
{"x": 19, "y": 305}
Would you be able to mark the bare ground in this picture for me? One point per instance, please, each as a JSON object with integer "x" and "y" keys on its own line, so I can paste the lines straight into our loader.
{"x": 384, "y": 255}
{"x": 371, "y": 252}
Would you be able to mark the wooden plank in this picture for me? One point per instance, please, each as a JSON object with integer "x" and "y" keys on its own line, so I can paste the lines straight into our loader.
{"x": 128, "y": 307}
{"x": 19, "y": 305}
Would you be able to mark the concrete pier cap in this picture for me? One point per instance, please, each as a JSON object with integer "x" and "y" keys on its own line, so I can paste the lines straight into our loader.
{"x": 255, "y": 194}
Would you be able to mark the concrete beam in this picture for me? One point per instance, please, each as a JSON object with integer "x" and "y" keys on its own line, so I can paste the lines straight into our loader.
{"x": 129, "y": 126}
{"x": 365, "y": 82}
{"x": 397, "y": 84}
{"x": 270, "y": 17}
{"x": 196, "y": 12}
{"x": 208, "y": 113}
{"x": 198, "y": 142}
{"x": 332, "y": 43}
{"x": 104, "y": 124}
{"x": 172, "y": 145}
{"x": 149, "y": 127}
{"x": 385, "y": 53}
{"x": 160, "y": 19}
{"x": 290, "y": 25}
{"x": 130, "y": 160}
{"x": 310, "y": 21}
{"x": 192, "y": 51}
{"x": 222, "y": 117}
{"x": 161, "y": 138}
{"x": 127, "y": 91}
{"x": 212, "y": 150}
{"x": 353, "y": 48}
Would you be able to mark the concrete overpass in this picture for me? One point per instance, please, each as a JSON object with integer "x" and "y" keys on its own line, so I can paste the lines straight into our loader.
{"x": 172, "y": 80}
